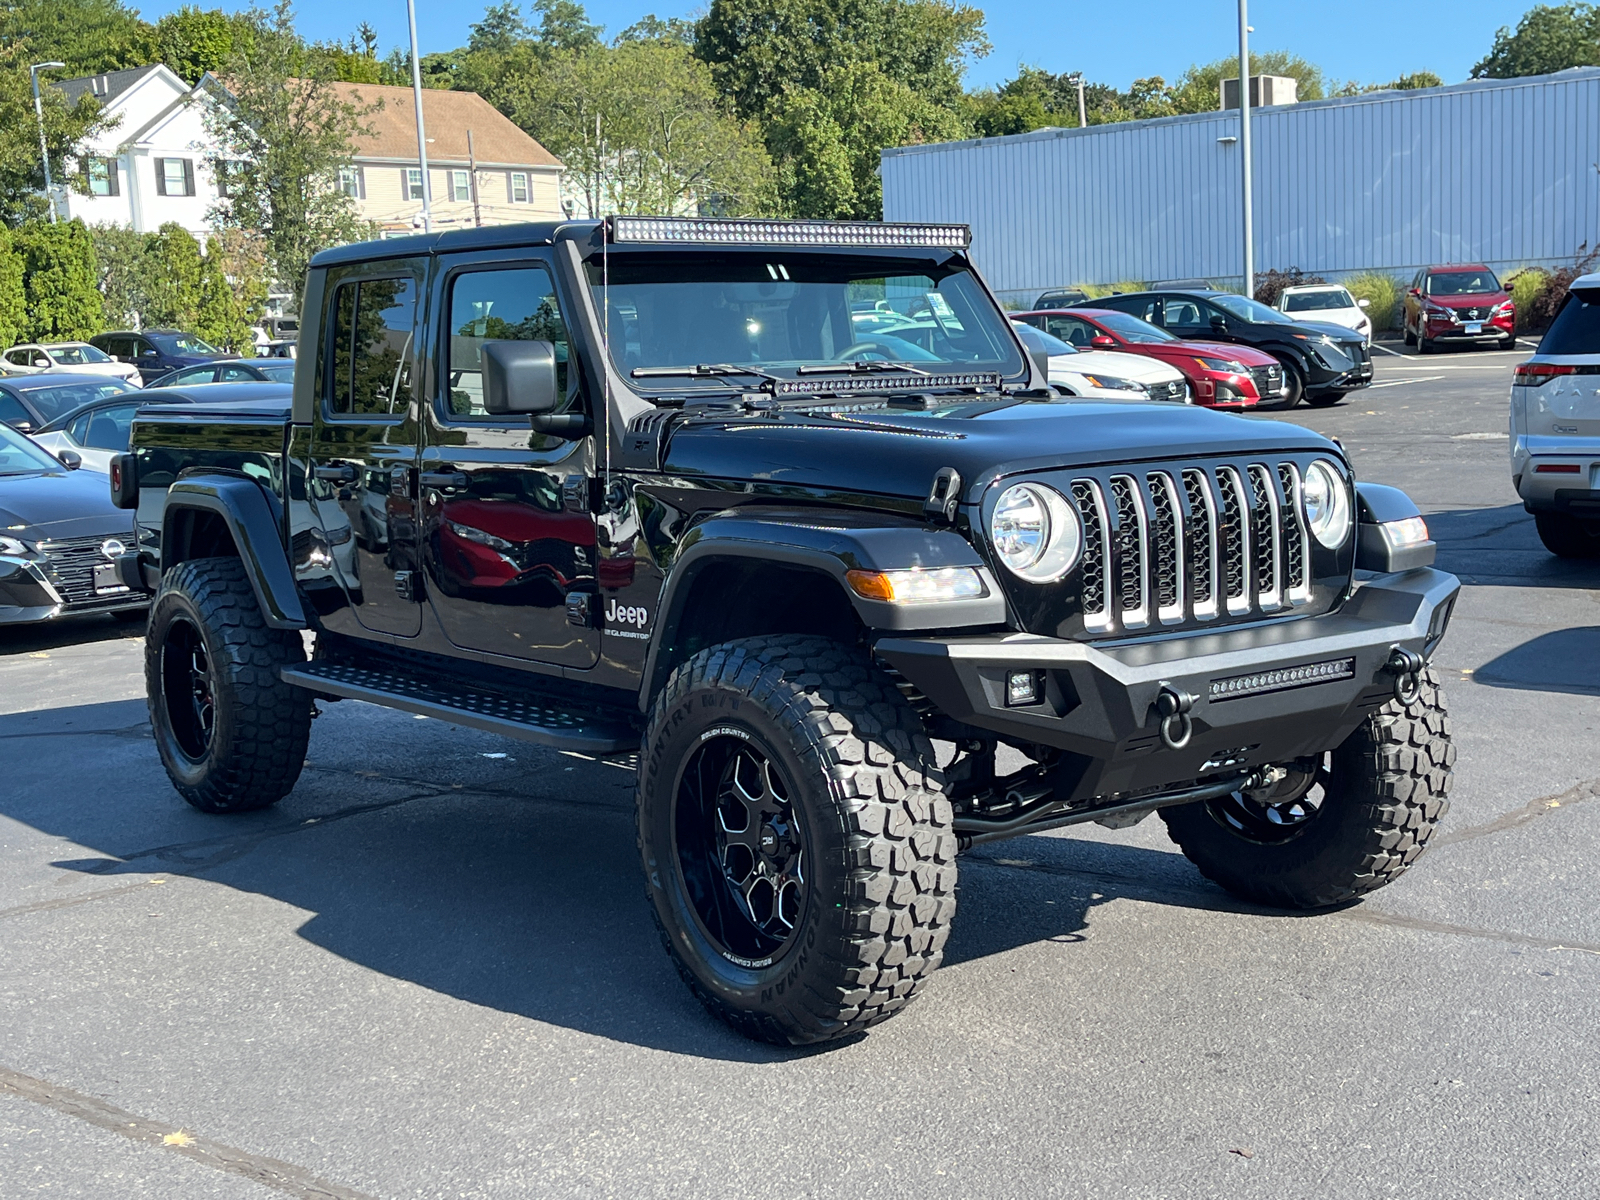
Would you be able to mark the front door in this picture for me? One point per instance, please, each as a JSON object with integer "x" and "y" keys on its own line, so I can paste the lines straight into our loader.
{"x": 364, "y": 447}
{"x": 509, "y": 538}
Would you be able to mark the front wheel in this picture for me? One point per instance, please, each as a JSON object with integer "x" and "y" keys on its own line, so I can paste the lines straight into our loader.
{"x": 1294, "y": 386}
{"x": 797, "y": 845}
{"x": 1338, "y": 825}
{"x": 231, "y": 734}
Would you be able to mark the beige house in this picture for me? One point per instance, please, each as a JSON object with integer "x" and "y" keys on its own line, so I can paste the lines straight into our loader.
{"x": 484, "y": 170}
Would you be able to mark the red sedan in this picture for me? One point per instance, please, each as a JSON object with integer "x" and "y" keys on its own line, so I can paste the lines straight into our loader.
{"x": 1220, "y": 375}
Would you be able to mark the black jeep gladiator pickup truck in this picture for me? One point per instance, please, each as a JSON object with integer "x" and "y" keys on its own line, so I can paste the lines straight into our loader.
{"x": 678, "y": 488}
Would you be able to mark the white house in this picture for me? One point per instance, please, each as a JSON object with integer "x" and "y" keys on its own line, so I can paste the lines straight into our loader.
{"x": 148, "y": 166}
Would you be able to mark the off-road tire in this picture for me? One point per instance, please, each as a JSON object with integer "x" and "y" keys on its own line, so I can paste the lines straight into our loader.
{"x": 1391, "y": 780}
{"x": 1568, "y": 537}
{"x": 869, "y": 798}
{"x": 260, "y": 725}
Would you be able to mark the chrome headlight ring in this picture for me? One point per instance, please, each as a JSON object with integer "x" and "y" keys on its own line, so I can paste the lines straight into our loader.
{"x": 1035, "y": 532}
{"x": 1326, "y": 496}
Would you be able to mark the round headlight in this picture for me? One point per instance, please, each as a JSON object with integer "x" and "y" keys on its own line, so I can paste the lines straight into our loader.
{"x": 1035, "y": 532}
{"x": 1327, "y": 503}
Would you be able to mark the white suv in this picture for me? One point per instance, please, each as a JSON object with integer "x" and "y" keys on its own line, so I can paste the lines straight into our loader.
{"x": 1555, "y": 427}
{"x": 1327, "y": 302}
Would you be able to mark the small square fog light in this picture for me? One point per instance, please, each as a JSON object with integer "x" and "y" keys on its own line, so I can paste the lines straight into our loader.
{"x": 1022, "y": 688}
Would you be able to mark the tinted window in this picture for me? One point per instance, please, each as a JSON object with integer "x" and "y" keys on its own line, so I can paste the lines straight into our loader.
{"x": 57, "y": 401}
{"x": 499, "y": 306}
{"x": 1072, "y": 330}
{"x": 182, "y": 343}
{"x": 1462, "y": 283}
{"x": 11, "y": 411}
{"x": 106, "y": 429}
{"x": 17, "y": 357}
{"x": 233, "y": 373}
{"x": 1576, "y": 329}
{"x": 373, "y": 324}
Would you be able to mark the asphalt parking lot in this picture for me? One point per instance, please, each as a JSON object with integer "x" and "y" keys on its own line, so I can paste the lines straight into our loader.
{"x": 430, "y": 971}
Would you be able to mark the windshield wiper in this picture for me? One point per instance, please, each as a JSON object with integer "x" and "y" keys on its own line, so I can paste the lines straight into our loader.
{"x": 704, "y": 371}
{"x": 862, "y": 367}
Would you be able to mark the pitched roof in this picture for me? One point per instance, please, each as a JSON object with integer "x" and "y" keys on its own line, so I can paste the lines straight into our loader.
{"x": 448, "y": 116}
{"x": 104, "y": 88}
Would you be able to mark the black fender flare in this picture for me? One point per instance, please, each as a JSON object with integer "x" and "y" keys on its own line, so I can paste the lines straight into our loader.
{"x": 831, "y": 543}
{"x": 253, "y": 520}
{"x": 1282, "y": 350}
{"x": 1378, "y": 504}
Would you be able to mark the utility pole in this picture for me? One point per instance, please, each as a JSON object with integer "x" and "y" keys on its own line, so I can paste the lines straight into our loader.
{"x": 472, "y": 174}
{"x": 422, "y": 137}
{"x": 1244, "y": 147}
{"x": 44, "y": 150}
{"x": 1083, "y": 114}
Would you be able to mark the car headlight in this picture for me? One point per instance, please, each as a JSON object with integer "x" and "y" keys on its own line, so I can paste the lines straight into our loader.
{"x": 1035, "y": 532}
{"x": 1327, "y": 503}
{"x": 1225, "y": 365}
{"x": 1112, "y": 383}
{"x": 11, "y": 545}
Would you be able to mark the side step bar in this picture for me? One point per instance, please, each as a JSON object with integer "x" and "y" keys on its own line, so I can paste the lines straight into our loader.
{"x": 527, "y": 720}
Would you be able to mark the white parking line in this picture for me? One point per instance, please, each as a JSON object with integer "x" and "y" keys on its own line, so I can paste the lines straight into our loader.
{"x": 1403, "y": 382}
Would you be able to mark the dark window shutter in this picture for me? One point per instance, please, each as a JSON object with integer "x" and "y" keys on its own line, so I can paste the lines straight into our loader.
{"x": 114, "y": 184}
{"x": 188, "y": 177}
{"x": 161, "y": 176}
{"x": 361, "y": 182}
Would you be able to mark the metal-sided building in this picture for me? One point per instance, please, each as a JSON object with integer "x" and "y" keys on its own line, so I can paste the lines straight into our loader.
{"x": 1501, "y": 171}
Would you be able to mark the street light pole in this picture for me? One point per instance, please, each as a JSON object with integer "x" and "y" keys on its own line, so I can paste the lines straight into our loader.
{"x": 44, "y": 149}
{"x": 1244, "y": 147}
{"x": 1083, "y": 116}
{"x": 422, "y": 137}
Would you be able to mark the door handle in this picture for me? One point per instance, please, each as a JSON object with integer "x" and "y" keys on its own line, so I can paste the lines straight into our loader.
{"x": 443, "y": 479}
{"x": 336, "y": 473}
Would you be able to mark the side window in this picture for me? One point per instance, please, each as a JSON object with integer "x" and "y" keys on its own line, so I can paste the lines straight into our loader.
{"x": 107, "y": 429}
{"x": 196, "y": 375}
{"x": 374, "y": 322}
{"x": 41, "y": 359}
{"x": 1072, "y": 330}
{"x": 17, "y": 358}
{"x": 12, "y": 412}
{"x": 1184, "y": 314}
{"x": 236, "y": 374}
{"x": 497, "y": 306}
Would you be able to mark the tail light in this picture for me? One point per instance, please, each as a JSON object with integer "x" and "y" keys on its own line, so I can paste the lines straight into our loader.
{"x": 1537, "y": 374}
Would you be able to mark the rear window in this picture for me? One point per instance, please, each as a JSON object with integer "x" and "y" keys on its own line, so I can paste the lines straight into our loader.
{"x": 1576, "y": 329}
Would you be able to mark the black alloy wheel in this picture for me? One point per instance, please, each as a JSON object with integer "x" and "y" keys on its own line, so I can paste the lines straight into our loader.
{"x": 1280, "y": 813}
{"x": 188, "y": 690}
{"x": 740, "y": 849}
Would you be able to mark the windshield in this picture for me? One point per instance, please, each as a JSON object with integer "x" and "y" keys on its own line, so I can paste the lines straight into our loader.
{"x": 1317, "y": 301}
{"x": 181, "y": 343}
{"x": 19, "y": 456}
{"x": 1249, "y": 310}
{"x": 1131, "y": 329}
{"x": 64, "y": 397}
{"x": 1576, "y": 329}
{"x": 1462, "y": 283}
{"x": 1039, "y": 340}
{"x": 778, "y": 310}
{"x": 76, "y": 356}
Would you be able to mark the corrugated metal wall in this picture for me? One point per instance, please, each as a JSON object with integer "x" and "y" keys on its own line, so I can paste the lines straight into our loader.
{"x": 1496, "y": 171}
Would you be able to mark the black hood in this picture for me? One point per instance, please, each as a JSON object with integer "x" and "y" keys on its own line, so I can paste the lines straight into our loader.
{"x": 892, "y": 452}
{"x": 61, "y": 504}
{"x": 1339, "y": 333}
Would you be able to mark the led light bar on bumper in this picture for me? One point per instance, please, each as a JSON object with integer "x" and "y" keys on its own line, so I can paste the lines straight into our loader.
{"x": 788, "y": 233}
{"x": 1283, "y": 679}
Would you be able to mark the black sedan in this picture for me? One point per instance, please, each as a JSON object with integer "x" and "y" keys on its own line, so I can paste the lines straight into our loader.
{"x": 30, "y": 402}
{"x": 58, "y": 536}
{"x": 1320, "y": 362}
{"x": 231, "y": 370}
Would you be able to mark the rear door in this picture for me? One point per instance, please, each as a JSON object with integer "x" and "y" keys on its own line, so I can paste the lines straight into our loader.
{"x": 363, "y": 452}
{"x": 508, "y": 536}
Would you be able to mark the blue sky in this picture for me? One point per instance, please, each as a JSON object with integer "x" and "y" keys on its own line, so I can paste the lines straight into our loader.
{"x": 1111, "y": 41}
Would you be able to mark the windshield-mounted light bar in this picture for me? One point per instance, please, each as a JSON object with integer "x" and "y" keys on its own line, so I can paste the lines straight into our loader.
{"x": 888, "y": 383}
{"x": 788, "y": 233}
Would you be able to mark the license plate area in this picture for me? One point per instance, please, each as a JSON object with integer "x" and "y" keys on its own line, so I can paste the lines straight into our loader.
{"x": 106, "y": 582}
{"x": 1474, "y": 326}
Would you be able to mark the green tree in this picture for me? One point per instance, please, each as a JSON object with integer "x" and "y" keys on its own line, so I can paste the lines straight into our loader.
{"x": 1548, "y": 38}
{"x": 172, "y": 260}
{"x": 651, "y": 28}
{"x": 1199, "y": 89}
{"x": 501, "y": 29}
{"x": 21, "y": 173}
{"x": 13, "y": 296}
{"x": 281, "y": 138}
{"x": 90, "y": 36}
{"x": 123, "y": 273}
{"x": 192, "y": 41}
{"x": 564, "y": 25}
{"x": 219, "y": 318}
{"x": 1413, "y": 81}
{"x": 58, "y": 279}
{"x": 239, "y": 258}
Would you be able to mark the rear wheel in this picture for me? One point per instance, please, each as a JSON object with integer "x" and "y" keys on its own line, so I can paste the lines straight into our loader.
{"x": 1338, "y": 825}
{"x": 1567, "y": 536}
{"x": 797, "y": 845}
{"x": 1406, "y": 336}
{"x": 231, "y": 734}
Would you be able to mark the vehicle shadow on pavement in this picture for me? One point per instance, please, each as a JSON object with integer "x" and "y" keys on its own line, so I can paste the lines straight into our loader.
{"x": 1499, "y": 546}
{"x": 520, "y": 897}
{"x": 69, "y": 631}
{"x": 1564, "y": 660}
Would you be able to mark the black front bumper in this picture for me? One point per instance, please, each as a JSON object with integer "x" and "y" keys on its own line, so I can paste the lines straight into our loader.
{"x": 1099, "y": 701}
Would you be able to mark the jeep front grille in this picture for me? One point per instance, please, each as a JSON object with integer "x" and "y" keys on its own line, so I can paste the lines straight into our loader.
{"x": 1170, "y": 547}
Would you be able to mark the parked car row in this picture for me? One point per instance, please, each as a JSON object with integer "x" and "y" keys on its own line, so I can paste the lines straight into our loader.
{"x": 149, "y": 358}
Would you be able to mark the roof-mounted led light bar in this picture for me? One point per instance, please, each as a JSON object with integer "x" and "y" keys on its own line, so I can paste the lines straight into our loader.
{"x": 984, "y": 381}
{"x": 788, "y": 233}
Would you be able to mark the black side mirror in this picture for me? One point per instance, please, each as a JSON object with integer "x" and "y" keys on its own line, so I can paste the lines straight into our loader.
{"x": 1219, "y": 322}
{"x": 70, "y": 459}
{"x": 520, "y": 377}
